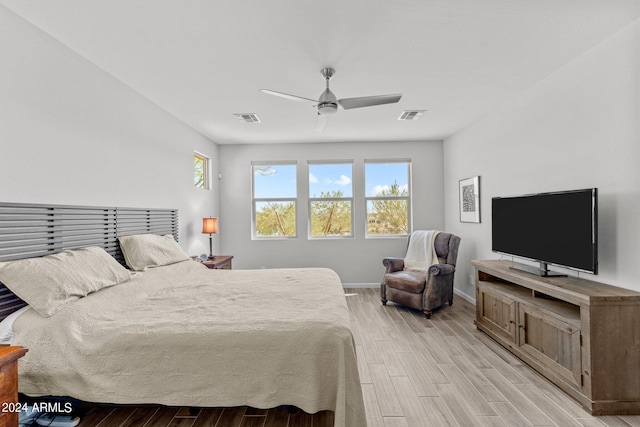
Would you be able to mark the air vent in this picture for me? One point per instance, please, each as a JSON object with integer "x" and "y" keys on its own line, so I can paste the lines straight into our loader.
{"x": 411, "y": 114}
{"x": 247, "y": 117}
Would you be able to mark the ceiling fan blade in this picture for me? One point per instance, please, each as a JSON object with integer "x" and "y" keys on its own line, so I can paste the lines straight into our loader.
{"x": 287, "y": 96}
{"x": 368, "y": 101}
{"x": 321, "y": 122}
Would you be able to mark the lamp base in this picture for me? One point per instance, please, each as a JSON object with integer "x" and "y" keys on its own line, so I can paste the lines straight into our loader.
{"x": 211, "y": 255}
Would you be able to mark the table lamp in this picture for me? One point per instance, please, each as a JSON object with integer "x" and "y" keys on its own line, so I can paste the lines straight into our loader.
{"x": 210, "y": 227}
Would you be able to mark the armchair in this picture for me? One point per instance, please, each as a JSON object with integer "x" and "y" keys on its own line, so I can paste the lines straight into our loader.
{"x": 422, "y": 290}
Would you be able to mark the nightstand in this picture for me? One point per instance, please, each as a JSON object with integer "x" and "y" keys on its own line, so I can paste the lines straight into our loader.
{"x": 9, "y": 356}
{"x": 220, "y": 262}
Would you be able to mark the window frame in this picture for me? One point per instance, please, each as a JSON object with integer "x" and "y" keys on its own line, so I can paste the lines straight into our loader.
{"x": 206, "y": 164}
{"x": 255, "y": 200}
{"x": 328, "y": 199}
{"x": 408, "y": 198}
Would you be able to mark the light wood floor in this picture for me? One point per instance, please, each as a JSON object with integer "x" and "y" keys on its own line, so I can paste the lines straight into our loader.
{"x": 414, "y": 372}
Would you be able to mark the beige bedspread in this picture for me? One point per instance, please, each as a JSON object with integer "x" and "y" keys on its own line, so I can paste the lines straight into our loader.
{"x": 185, "y": 335}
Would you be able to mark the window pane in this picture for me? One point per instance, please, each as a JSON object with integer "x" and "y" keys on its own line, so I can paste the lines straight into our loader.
{"x": 386, "y": 179}
{"x": 331, "y": 218}
{"x": 330, "y": 180}
{"x": 274, "y": 181}
{"x": 387, "y": 217}
{"x": 275, "y": 219}
{"x": 200, "y": 171}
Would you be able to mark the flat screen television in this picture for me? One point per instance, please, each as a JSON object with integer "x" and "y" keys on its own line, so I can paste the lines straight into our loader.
{"x": 559, "y": 228}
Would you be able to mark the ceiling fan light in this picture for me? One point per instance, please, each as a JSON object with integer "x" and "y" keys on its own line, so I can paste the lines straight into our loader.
{"x": 327, "y": 108}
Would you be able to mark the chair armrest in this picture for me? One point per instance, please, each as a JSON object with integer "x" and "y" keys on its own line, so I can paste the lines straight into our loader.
{"x": 393, "y": 264}
{"x": 441, "y": 269}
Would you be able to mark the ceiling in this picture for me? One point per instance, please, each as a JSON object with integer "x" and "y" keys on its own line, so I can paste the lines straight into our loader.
{"x": 204, "y": 60}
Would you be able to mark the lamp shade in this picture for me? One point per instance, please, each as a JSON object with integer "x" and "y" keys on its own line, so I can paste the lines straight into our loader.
{"x": 209, "y": 225}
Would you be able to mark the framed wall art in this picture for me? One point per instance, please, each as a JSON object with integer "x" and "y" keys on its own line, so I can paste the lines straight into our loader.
{"x": 470, "y": 199}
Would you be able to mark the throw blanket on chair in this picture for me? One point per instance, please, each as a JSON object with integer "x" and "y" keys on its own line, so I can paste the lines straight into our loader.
{"x": 421, "y": 252}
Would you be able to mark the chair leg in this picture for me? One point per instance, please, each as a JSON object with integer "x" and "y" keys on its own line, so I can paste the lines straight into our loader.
{"x": 384, "y": 301}
{"x": 450, "y": 302}
{"x": 427, "y": 313}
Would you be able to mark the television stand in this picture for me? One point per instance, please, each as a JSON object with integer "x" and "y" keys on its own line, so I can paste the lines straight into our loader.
{"x": 581, "y": 335}
{"x": 542, "y": 270}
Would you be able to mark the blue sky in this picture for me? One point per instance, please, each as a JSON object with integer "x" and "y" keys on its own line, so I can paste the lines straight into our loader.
{"x": 275, "y": 181}
{"x": 335, "y": 177}
{"x": 280, "y": 181}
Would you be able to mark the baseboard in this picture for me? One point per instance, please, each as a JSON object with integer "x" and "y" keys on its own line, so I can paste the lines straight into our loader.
{"x": 377, "y": 285}
{"x": 464, "y": 296}
{"x": 361, "y": 285}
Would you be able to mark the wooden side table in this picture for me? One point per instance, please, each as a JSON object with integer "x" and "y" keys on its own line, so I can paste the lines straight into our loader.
{"x": 220, "y": 262}
{"x": 9, "y": 356}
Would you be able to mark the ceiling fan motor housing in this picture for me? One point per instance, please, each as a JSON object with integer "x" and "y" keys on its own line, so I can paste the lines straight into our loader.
{"x": 327, "y": 104}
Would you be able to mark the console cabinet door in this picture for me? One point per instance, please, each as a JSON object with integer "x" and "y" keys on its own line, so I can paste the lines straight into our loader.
{"x": 497, "y": 312}
{"x": 552, "y": 342}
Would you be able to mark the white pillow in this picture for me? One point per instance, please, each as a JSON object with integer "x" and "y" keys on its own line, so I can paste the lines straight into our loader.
{"x": 50, "y": 282}
{"x": 142, "y": 251}
{"x": 6, "y": 326}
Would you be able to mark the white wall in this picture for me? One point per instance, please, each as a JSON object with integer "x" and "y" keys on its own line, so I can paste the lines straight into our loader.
{"x": 356, "y": 260}
{"x": 72, "y": 134}
{"x": 578, "y": 128}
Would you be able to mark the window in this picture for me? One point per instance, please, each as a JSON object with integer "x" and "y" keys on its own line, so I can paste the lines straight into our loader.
{"x": 388, "y": 198}
{"x": 274, "y": 200}
{"x": 201, "y": 171}
{"x": 330, "y": 200}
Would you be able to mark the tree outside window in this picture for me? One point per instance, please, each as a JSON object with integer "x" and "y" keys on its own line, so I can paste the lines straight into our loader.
{"x": 388, "y": 198}
{"x": 330, "y": 200}
{"x": 274, "y": 200}
{"x": 200, "y": 168}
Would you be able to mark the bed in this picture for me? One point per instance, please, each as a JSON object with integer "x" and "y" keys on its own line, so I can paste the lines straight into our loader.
{"x": 181, "y": 334}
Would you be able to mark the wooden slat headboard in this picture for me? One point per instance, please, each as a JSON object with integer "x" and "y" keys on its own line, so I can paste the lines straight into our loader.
{"x": 34, "y": 230}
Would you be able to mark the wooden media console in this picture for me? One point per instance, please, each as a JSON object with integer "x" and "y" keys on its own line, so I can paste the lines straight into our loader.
{"x": 582, "y": 335}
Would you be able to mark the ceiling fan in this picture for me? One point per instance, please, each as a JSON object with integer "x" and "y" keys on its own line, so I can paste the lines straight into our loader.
{"x": 328, "y": 103}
